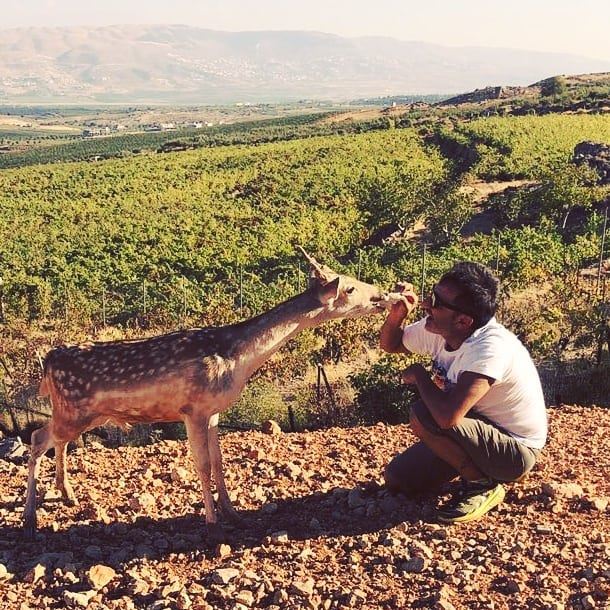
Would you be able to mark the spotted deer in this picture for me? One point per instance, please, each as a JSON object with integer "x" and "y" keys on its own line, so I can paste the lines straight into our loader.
{"x": 189, "y": 375}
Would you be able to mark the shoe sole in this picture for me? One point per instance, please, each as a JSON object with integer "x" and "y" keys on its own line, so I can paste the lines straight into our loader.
{"x": 494, "y": 499}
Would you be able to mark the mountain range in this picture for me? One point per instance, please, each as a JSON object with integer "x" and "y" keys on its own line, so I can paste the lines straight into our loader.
{"x": 190, "y": 65}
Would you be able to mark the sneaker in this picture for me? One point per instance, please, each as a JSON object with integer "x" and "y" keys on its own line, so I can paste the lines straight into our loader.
{"x": 474, "y": 500}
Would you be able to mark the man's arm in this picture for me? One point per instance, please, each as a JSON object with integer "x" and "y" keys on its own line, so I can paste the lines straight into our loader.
{"x": 390, "y": 336}
{"x": 448, "y": 408}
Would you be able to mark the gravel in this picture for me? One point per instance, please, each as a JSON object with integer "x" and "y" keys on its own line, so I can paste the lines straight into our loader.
{"x": 318, "y": 531}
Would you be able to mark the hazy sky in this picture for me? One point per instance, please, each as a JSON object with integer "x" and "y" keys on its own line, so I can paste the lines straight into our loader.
{"x": 573, "y": 26}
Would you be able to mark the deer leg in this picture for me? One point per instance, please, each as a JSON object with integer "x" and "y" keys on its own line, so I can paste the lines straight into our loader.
{"x": 42, "y": 440}
{"x": 197, "y": 432}
{"x": 224, "y": 502}
{"x": 61, "y": 475}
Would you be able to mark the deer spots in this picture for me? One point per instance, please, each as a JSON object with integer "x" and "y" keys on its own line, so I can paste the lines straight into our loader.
{"x": 79, "y": 372}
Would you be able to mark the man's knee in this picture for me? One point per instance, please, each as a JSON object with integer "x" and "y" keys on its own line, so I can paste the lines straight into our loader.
{"x": 421, "y": 421}
{"x": 417, "y": 470}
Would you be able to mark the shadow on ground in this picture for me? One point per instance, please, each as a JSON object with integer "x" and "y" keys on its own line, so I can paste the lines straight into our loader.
{"x": 307, "y": 517}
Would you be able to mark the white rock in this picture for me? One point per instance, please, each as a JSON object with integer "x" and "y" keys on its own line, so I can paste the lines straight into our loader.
{"x": 271, "y": 427}
{"x": 303, "y": 587}
{"x": 600, "y": 503}
{"x": 563, "y": 490}
{"x": 36, "y": 573}
{"x": 143, "y": 501}
{"x": 223, "y": 576}
{"x": 78, "y": 600}
{"x": 100, "y": 575}
{"x": 279, "y": 537}
{"x": 12, "y": 448}
{"x": 245, "y": 597}
{"x": 293, "y": 470}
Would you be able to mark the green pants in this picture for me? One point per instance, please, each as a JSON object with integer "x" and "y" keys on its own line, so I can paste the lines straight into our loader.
{"x": 493, "y": 451}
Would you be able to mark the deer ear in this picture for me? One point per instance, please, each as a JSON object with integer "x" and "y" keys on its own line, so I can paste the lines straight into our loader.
{"x": 329, "y": 291}
{"x": 321, "y": 275}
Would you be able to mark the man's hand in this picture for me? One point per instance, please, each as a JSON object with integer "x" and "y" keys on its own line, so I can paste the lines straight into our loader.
{"x": 409, "y": 375}
{"x": 404, "y": 301}
{"x": 409, "y": 300}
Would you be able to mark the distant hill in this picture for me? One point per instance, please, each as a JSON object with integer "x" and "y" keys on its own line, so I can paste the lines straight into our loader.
{"x": 182, "y": 64}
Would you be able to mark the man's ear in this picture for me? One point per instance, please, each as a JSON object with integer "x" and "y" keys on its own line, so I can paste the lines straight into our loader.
{"x": 465, "y": 320}
{"x": 329, "y": 291}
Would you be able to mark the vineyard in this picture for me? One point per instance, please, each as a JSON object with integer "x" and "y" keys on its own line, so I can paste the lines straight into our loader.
{"x": 245, "y": 132}
{"x": 198, "y": 215}
{"x": 531, "y": 146}
{"x": 147, "y": 243}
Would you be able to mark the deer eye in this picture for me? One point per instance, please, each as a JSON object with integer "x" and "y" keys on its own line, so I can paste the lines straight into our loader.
{"x": 350, "y": 289}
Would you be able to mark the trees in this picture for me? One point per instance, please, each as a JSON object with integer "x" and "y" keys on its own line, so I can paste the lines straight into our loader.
{"x": 554, "y": 86}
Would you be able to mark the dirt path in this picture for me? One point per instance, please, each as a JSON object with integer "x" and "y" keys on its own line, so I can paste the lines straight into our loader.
{"x": 484, "y": 221}
{"x": 482, "y": 190}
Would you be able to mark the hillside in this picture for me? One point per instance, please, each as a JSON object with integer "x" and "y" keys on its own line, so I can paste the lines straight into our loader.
{"x": 183, "y": 64}
{"x": 317, "y": 533}
{"x": 574, "y": 84}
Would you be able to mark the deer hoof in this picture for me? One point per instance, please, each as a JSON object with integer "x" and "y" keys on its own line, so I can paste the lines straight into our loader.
{"x": 230, "y": 514}
{"x": 29, "y": 530}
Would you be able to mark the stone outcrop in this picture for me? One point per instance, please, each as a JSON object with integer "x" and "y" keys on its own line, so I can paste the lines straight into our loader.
{"x": 489, "y": 93}
{"x": 595, "y": 155}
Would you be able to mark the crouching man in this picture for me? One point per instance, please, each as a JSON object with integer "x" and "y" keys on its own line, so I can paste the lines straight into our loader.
{"x": 481, "y": 414}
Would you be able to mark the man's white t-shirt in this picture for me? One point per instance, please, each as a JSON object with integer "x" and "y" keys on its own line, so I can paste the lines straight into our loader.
{"x": 515, "y": 402}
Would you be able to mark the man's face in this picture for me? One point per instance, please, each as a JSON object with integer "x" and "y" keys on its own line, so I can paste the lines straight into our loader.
{"x": 442, "y": 318}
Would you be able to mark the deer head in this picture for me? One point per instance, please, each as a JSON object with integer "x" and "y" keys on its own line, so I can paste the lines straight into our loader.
{"x": 343, "y": 296}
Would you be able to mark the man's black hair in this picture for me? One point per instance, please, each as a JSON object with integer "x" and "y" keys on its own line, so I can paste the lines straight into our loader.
{"x": 478, "y": 290}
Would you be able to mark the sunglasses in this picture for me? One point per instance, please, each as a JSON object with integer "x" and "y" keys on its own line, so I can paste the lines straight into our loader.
{"x": 436, "y": 300}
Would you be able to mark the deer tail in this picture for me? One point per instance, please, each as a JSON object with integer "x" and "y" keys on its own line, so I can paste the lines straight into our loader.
{"x": 45, "y": 385}
{"x": 43, "y": 389}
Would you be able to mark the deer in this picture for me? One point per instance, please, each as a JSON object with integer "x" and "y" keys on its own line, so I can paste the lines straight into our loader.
{"x": 188, "y": 375}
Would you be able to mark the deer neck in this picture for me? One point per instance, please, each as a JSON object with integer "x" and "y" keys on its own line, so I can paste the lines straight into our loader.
{"x": 259, "y": 337}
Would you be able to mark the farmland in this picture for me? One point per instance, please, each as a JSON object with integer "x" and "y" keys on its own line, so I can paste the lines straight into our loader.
{"x": 147, "y": 242}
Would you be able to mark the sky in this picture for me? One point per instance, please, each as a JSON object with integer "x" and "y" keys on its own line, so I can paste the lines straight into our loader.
{"x": 580, "y": 27}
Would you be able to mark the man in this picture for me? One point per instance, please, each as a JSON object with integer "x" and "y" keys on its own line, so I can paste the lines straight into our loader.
{"x": 482, "y": 414}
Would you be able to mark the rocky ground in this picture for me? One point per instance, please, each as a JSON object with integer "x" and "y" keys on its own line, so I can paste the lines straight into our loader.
{"x": 317, "y": 534}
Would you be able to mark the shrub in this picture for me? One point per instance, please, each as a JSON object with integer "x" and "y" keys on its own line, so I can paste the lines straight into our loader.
{"x": 260, "y": 401}
{"x": 554, "y": 86}
{"x": 380, "y": 393}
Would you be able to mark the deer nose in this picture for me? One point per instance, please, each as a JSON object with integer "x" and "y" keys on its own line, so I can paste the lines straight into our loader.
{"x": 380, "y": 298}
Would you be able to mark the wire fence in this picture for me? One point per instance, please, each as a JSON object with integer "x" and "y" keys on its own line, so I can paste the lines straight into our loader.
{"x": 178, "y": 300}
